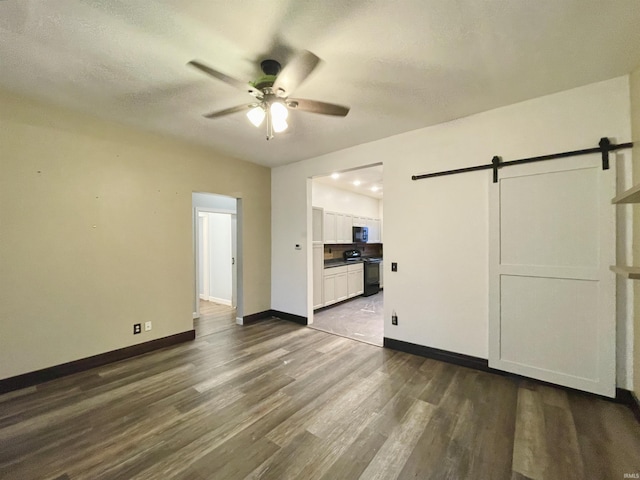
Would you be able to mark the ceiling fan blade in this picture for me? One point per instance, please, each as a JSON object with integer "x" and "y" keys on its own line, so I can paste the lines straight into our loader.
{"x": 295, "y": 72}
{"x": 225, "y": 78}
{"x": 228, "y": 111}
{"x": 314, "y": 106}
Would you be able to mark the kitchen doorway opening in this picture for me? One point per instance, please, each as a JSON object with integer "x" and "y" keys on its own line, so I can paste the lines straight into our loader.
{"x": 348, "y": 260}
{"x": 216, "y": 258}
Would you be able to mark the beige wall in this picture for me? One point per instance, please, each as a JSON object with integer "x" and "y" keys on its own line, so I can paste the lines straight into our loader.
{"x": 634, "y": 81}
{"x": 96, "y": 233}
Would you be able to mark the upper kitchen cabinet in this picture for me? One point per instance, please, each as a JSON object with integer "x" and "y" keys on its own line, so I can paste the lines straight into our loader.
{"x": 344, "y": 228}
{"x": 337, "y": 227}
{"x": 317, "y": 225}
{"x": 330, "y": 233}
{"x": 374, "y": 230}
{"x": 359, "y": 221}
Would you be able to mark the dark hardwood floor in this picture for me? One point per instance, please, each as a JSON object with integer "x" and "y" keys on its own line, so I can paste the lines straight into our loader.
{"x": 276, "y": 400}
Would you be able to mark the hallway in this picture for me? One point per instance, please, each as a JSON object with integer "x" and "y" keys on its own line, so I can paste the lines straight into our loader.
{"x": 214, "y": 317}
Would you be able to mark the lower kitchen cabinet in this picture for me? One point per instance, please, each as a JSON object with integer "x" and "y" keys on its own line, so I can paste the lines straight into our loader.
{"x": 340, "y": 283}
{"x": 318, "y": 270}
{"x": 355, "y": 280}
{"x": 335, "y": 285}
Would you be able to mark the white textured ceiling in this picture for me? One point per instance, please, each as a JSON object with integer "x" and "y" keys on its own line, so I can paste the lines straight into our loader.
{"x": 399, "y": 65}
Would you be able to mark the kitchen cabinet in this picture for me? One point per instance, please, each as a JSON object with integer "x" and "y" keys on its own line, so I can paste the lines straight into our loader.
{"x": 335, "y": 285}
{"x": 374, "y": 230}
{"x": 340, "y": 283}
{"x": 329, "y": 228}
{"x": 355, "y": 280}
{"x": 318, "y": 271}
{"x": 317, "y": 225}
{"x": 344, "y": 231}
{"x": 338, "y": 227}
{"x": 342, "y": 292}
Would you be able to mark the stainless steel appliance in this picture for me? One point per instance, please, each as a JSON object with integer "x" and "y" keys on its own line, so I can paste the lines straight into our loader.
{"x": 371, "y": 270}
{"x": 360, "y": 234}
{"x": 371, "y": 276}
{"x": 352, "y": 255}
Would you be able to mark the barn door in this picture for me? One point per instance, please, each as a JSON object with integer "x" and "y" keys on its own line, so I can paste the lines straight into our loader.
{"x": 552, "y": 296}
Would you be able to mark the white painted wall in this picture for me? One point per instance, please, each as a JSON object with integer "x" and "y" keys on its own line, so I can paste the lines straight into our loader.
{"x": 220, "y": 286}
{"x": 437, "y": 229}
{"x": 343, "y": 201}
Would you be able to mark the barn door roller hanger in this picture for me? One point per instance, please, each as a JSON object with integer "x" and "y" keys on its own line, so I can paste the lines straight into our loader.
{"x": 604, "y": 147}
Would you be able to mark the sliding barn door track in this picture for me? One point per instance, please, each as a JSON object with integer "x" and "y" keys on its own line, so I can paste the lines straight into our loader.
{"x": 604, "y": 147}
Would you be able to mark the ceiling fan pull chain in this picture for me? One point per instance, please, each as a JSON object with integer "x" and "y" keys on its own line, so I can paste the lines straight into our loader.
{"x": 269, "y": 126}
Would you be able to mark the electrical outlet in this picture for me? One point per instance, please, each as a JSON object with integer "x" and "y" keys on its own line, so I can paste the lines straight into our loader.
{"x": 394, "y": 267}
{"x": 137, "y": 328}
{"x": 394, "y": 319}
{"x": 147, "y": 326}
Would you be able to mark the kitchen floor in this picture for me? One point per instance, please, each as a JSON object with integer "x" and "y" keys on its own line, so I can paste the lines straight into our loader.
{"x": 361, "y": 318}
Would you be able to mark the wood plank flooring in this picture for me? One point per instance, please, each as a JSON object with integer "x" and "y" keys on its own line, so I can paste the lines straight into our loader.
{"x": 276, "y": 400}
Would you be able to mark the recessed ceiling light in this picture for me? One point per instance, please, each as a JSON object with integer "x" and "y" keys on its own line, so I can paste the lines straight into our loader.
{"x": 356, "y": 183}
{"x": 335, "y": 176}
{"x": 374, "y": 188}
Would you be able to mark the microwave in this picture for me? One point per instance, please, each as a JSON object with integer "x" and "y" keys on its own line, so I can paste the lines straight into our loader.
{"x": 360, "y": 234}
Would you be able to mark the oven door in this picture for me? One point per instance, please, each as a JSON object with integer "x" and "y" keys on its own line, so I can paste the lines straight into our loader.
{"x": 371, "y": 278}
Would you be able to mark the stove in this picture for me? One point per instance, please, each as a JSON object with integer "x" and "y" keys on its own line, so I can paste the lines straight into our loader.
{"x": 371, "y": 270}
{"x": 372, "y": 260}
{"x": 352, "y": 255}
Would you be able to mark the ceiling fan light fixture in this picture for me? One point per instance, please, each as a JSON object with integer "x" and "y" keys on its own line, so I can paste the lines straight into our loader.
{"x": 280, "y": 125}
{"x": 256, "y": 115}
{"x": 278, "y": 112}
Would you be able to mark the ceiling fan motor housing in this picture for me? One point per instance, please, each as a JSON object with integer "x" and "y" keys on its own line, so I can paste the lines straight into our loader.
{"x": 271, "y": 69}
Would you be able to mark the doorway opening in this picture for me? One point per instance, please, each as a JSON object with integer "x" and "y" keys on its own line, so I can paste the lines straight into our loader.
{"x": 216, "y": 258}
{"x": 348, "y": 260}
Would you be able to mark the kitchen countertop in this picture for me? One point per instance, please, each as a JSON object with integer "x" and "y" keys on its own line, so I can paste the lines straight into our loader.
{"x": 338, "y": 262}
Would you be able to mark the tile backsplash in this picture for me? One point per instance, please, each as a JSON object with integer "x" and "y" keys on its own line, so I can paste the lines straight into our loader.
{"x": 333, "y": 251}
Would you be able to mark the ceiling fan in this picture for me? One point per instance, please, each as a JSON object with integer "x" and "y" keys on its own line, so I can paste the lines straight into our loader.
{"x": 271, "y": 92}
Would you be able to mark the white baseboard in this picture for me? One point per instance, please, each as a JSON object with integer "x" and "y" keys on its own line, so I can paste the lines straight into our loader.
{"x": 203, "y": 297}
{"x": 222, "y": 301}
{"x": 239, "y": 320}
{"x": 195, "y": 315}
